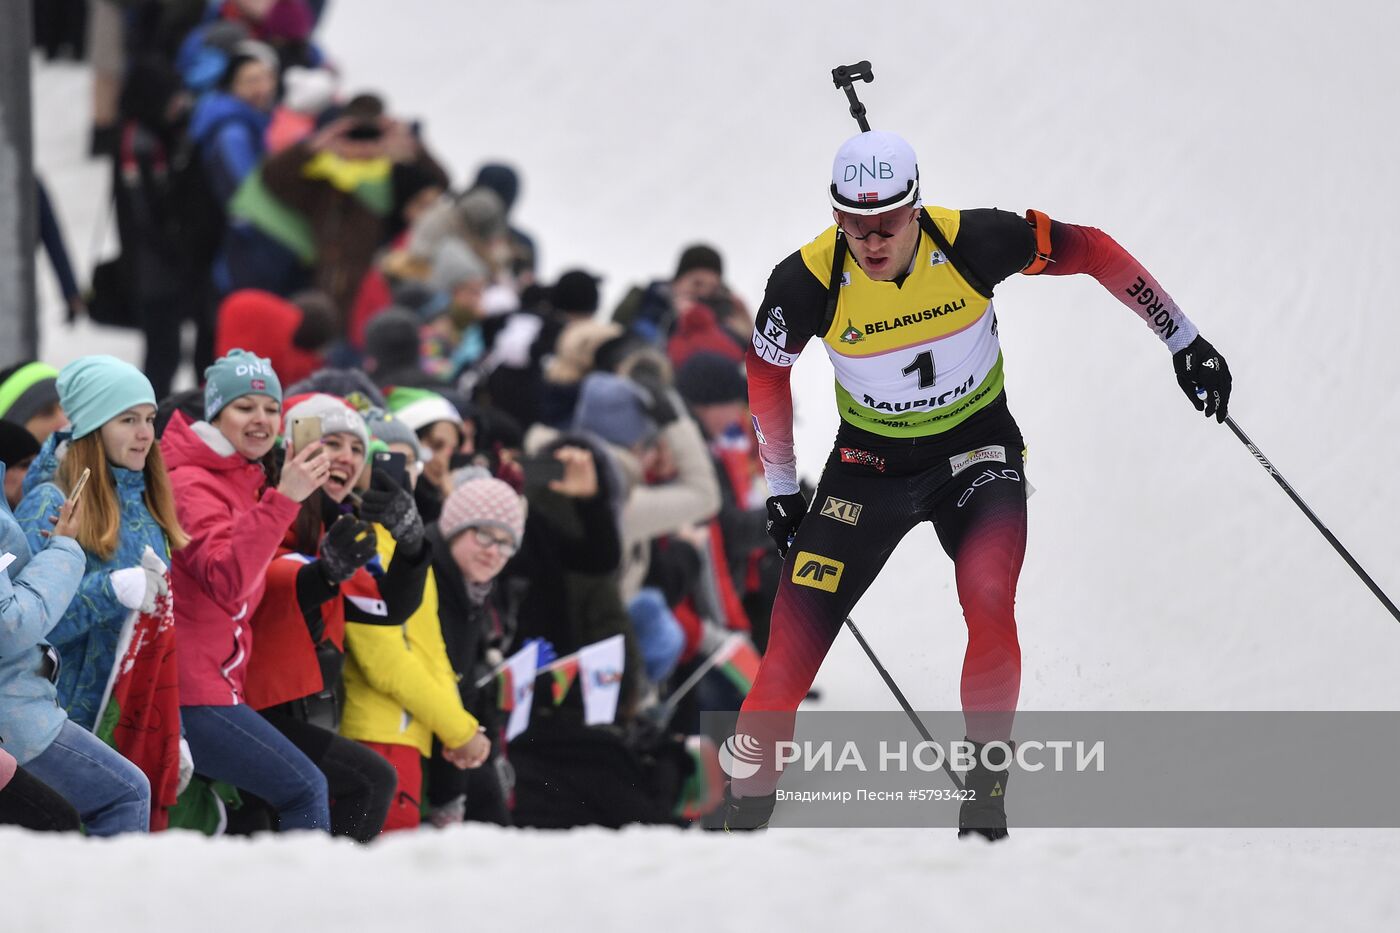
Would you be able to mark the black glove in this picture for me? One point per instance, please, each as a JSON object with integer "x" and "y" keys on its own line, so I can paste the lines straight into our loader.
{"x": 1199, "y": 366}
{"x": 348, "y": 546}
{"x": 785, "y": 513}
{"x": 392, "y": 506}
{"x": 314, "y": 591}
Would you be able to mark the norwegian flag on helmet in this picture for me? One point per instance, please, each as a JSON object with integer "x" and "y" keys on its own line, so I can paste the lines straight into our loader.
{"x": 867, "y": 196}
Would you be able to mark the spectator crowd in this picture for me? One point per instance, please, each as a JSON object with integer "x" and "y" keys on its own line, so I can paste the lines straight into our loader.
{"x": 289, "y": 598}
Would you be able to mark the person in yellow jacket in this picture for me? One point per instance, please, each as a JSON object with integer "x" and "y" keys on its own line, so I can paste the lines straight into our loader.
{"x": 400, "y": 688}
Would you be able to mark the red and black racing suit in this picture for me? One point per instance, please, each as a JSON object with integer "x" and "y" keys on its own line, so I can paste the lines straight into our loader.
{"x": 967, "y": 480}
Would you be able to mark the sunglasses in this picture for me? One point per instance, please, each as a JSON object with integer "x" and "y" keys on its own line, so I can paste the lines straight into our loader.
{"x": 886, "y": 225}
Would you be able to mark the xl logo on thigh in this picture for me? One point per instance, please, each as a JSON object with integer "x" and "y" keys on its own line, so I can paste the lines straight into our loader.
{"x": 841, "y": 510}
{"x": 987, "y": 476}
{"x": 816, "y": 571}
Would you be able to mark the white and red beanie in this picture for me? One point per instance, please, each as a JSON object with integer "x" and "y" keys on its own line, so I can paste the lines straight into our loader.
{"x": 483, "y": 502}
{"x": 337, "y": 417}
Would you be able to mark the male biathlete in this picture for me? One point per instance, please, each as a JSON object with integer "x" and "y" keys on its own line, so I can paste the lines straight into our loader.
{"x": 901, "y": 297}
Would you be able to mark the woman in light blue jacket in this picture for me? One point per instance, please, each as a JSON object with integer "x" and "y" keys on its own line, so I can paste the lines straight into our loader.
{"x": 128, "y": 509}
{"x": 110, "y": 793}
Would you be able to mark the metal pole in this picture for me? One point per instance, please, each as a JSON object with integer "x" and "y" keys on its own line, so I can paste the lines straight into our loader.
{"x": 899, "y": 695}
{"x": 1298, "y": 501}
{"x": 19, "y": 326}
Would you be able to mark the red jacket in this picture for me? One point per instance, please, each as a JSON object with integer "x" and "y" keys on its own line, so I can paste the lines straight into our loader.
{"x": 284, "y": 667}
{"x": 264, "y": 324}
{"x": 235, "y": 526}
{"x": 698, "y": 330}
{"x": 373, "y": 297}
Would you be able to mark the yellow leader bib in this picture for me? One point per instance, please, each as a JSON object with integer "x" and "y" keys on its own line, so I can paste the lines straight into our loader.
{"x": 910, "y": 360}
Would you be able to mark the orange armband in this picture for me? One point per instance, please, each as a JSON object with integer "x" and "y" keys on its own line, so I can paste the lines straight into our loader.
{"x": 1041, "y": 225}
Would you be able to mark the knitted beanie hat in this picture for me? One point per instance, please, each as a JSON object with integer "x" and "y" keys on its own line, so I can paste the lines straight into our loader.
{"x": 392, "y": 429}
{"x": 576, "y": 292}
{"x": 699, "y": 256}
{"x": 16, "y": 444}
{"x": 25, "y": 390}
{"x": 391, "y": 339}
{"x": 483, "y": 503}
{"x": 615, "y": 409}
{"x": 419, "y": 408}
{"x": 236, "y": 374}
{"x": 95, "y": 389}
{"x": 337, "y": 417}
{"x": 500, "y": 178}
{"x": 342, "y": 383}
{"x": 455, "y": 263}
{"x": 711, "y": 379}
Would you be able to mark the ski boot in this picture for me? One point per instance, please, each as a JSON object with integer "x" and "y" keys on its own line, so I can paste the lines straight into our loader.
{"x": 747, "y": 814}
{"x": 985, "y": 815}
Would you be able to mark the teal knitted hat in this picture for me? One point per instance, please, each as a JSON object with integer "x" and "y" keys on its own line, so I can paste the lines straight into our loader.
{"x": 234, "y": 375}
{"x": 95, "y": 389}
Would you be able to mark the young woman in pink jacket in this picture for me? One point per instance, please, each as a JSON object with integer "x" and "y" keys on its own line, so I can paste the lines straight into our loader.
{"x": 236, "y": 506}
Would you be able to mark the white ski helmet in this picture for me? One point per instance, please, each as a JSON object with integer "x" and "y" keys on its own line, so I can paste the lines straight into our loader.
{"x": 874, "y": 172}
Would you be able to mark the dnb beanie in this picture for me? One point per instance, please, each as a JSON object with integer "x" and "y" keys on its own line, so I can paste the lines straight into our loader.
{"x": 95, "y": 389}
{"x": 234, "y": 375}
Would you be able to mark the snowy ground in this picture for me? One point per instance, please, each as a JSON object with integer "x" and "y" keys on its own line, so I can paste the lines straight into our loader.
{"x": 1244, "y": 153}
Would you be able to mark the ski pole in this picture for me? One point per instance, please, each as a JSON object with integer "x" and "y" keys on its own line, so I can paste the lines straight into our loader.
{"x": 845, "y": 76}
{"x": 899, "y": 695}
{"x": 1297, "y": 500}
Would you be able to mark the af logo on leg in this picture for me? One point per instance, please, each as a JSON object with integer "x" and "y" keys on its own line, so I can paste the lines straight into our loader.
{"x": 816, "y": 571}
{"x": 841, "y": 510}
